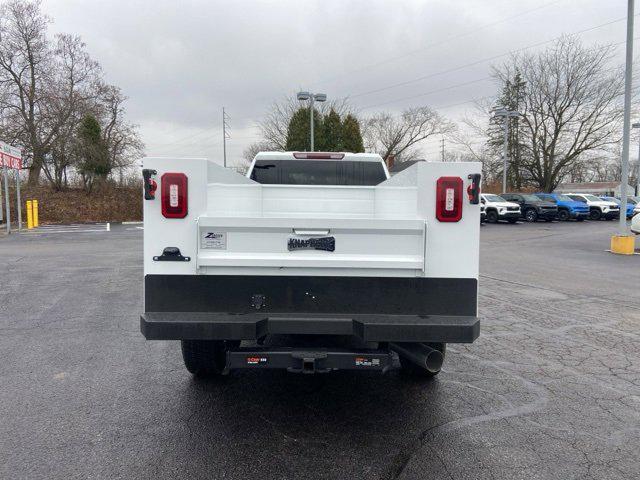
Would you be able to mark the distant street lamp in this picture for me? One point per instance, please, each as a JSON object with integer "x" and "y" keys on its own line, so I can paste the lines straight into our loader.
{"x": 313, "y": 97}
{"x": 505, "y": 114}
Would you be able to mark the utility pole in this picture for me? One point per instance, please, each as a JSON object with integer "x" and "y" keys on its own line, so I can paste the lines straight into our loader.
{"x": 505, "y": 153}
{"x": 442, "y": 148}
{"x": 1, "y": 209}
{"x": 505, "y": 114}
{"x": 626, "y": 120}
{"x": 6, "y": 197}
{"x": 225, "y": 136}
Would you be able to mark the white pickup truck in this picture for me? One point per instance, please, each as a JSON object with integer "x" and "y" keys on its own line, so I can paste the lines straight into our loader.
{"x": 311, "y": 262}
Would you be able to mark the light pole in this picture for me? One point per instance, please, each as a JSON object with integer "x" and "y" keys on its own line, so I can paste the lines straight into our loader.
{"x": 626, "y": 121}
{"x": 505, "y": 114}
{"x": 637, "y": 125}
{"x": 312, "y": 97}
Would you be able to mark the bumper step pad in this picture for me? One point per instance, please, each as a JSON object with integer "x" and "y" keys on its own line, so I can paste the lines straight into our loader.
{"x": 369, "y": 328}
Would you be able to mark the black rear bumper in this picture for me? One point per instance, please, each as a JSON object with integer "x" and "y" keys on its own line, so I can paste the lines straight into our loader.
{"x": 376, "y": 309}
{"x": 368, "y": 328}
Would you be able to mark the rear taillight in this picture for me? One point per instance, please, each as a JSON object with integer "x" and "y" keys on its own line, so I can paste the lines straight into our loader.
{"x": 449, "y": 199}
{"x": 174, "y": 195}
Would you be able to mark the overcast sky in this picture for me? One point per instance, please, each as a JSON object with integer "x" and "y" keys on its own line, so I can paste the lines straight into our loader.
{"x": 180, "y": 62}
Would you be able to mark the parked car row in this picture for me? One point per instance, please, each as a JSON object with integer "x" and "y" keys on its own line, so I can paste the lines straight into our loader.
{"x": 532, "y": 207}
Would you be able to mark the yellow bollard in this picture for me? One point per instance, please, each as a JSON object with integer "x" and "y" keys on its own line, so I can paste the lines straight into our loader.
{"x": 622, "y": 244}
{"x": 35, "y": 213}
{"x": 29, "y": 214}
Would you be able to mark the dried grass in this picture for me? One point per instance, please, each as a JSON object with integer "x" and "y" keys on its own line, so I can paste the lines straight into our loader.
{"x": 105, "y": 204}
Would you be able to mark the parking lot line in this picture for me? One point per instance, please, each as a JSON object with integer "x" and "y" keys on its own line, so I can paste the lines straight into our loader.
{"x": 71, "y": 228}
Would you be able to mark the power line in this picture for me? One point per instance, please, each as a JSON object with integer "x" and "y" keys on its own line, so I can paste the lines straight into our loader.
{"x": 443, "y": 72}
{"x": 477, "y": 62}
{"x": 436, "y": 44}
{"x": 450, "y": 87}
{"x": 203, "y": 131}
{"x": 465, "y": 83}
{"x": 209, "y": 129}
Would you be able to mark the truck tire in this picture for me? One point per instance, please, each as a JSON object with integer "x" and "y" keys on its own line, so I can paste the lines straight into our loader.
{"x": 412, "y": 369}
{"x": 492, "y": 216}
{"x": 563, "y": 215}
{"x": 204, "y": 358}
{"x": 595, "y": 214}
{"x": 531, "y": 215}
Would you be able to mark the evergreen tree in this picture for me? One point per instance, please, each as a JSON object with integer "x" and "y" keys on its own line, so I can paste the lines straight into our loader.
{"x": 92, "y": 152}
{"x": 512, "y": 98}
{"x": 298, "y": 130}
{"x": 351, "y": 135}
{"x": 331, "y": 133}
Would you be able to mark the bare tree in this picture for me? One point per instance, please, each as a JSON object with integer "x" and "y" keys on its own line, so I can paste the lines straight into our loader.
{"x": 47, "y": 87}
{"x": 43, "y": 83}
{"x": 24, "y": 65}
{"x": 571, "y": 107}
{"x": 250, "y": 152}
{"x": 472, "y": 139}
{"x": 387, "y": 134}
{"x": 72, "y": 89}
{"x": 121, "y": 138}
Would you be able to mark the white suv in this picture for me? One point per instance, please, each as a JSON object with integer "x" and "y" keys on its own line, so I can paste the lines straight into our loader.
{"x": 497, "y": 208}
{"x": 598, "y": 208}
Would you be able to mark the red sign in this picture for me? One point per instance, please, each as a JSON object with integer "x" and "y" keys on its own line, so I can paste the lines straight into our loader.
{"x": 10, "y": 157}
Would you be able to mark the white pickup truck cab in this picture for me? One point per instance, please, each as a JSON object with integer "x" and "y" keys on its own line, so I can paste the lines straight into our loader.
{"x": 311, "y": 262}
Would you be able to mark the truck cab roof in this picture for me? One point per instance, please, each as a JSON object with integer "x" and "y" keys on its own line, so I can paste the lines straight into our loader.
{"x": 347, "y": 156}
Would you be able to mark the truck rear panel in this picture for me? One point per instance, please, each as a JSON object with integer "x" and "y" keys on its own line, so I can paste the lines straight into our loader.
{"x": 373, "y": 262}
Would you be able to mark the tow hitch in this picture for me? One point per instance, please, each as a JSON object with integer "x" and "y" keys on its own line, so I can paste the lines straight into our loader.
{"x": 309, "y": 361}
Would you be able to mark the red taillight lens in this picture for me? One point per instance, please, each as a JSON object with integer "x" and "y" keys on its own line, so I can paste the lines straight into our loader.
{"x": 174, "y": 195}
{"x": 449, "y": 199}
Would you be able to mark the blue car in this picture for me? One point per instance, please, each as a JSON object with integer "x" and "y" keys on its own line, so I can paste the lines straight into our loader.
{"x": 567, "y": 207}
{"x": 631, "y": 204}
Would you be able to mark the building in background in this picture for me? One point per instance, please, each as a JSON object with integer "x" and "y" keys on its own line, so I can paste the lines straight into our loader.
{"x": 610, "y": 189}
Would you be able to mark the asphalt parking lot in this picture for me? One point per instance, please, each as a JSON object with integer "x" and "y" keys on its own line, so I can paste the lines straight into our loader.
{"x": 550, "y": 390}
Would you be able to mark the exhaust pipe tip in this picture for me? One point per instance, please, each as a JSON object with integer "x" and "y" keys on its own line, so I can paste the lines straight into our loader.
{"x": 422, "y": 355}
{"x": 434, "y": 360}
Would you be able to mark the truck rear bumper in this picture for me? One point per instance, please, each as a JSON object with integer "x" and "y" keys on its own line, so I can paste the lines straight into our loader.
{"x": 239, "y": 307}
{"x": 369, "y": 328}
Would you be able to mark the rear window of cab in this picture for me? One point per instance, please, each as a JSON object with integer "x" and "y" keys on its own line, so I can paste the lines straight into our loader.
{"x": 318, "y": 172}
